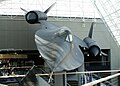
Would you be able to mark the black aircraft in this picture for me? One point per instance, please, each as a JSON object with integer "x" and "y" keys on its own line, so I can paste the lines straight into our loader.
{"x": 58, "y": 46}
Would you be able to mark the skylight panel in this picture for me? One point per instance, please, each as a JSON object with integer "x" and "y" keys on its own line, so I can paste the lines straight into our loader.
{"x": 66, "y": 8}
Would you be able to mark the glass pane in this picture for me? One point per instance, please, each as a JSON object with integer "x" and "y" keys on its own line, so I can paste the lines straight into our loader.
{"x": 68, "y": 8}
{"x": 111, "y": 13}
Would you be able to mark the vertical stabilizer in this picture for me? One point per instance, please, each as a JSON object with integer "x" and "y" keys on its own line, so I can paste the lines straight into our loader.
{"x": 91, "y": 30}
{"x": 46, "y": 11}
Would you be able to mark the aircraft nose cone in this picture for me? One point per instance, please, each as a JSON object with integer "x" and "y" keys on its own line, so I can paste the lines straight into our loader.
{"x": 94, "y": 51}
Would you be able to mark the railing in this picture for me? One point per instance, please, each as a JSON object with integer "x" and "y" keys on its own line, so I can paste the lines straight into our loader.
{"x": 92, "y": 81}
{"x": 87, "y": 78}
{"x": 101, "y": 80}
{"x": 16, "y": 74}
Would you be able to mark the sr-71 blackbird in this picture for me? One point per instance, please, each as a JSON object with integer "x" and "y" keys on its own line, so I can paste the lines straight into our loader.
{"x": 58, "y": 46}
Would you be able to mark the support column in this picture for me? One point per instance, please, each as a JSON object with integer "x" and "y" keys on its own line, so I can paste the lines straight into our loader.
{"x": 80, "y": 69}
{"x": 61, "y": 80}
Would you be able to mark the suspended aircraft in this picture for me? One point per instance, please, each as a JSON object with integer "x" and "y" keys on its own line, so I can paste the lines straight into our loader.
{"x": 58, "y": 46}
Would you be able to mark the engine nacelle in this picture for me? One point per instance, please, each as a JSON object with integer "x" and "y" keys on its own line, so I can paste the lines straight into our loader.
{"x": 93, "y": 48}
{"x": 33, "y": 17}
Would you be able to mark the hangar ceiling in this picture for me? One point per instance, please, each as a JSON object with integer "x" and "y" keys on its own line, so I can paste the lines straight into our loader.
{"x": 64, "y": 8}
{"x": 110, "y": 13}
